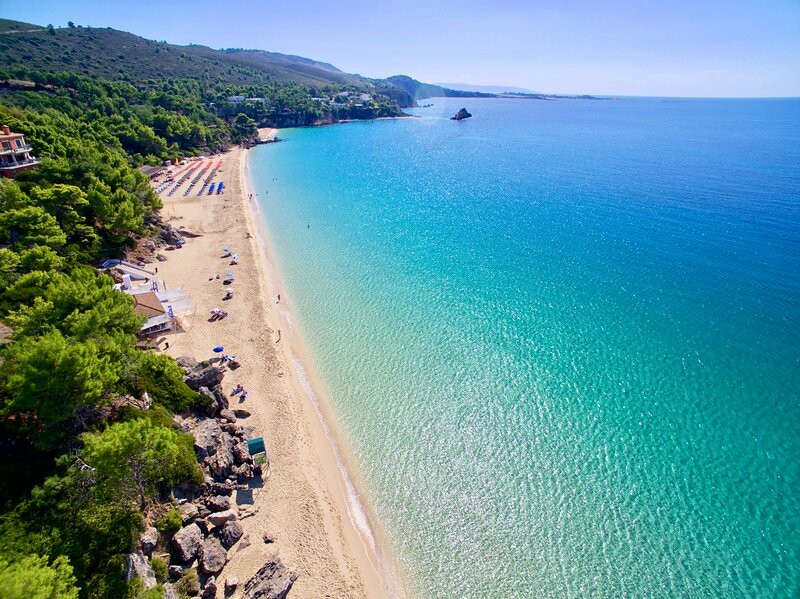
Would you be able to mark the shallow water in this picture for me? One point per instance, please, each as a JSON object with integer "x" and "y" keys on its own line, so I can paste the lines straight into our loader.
{"x": 562, "y": 337}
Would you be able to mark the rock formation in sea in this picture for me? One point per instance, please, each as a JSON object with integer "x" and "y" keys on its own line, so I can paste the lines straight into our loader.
{"x": 461, "y": 115}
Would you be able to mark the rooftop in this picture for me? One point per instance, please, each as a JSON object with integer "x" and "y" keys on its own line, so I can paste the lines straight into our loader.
{"x": 148, "y": 304}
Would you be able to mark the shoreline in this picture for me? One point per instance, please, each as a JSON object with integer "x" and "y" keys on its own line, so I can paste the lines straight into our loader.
{"x": 309, "y": 384}
{"x": 310, "y": 504}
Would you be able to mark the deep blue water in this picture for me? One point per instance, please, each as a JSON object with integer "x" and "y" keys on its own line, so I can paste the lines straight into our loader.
{"x": 561, "y": 337}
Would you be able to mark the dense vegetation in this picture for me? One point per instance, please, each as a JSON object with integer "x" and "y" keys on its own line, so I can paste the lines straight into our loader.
{"x": 80, "y": 466}
{"x": 113, "y": 54}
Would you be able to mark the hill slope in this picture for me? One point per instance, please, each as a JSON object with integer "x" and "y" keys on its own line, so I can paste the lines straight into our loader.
{"x": 419, "y": 91}
{"x": 117, "y": 54}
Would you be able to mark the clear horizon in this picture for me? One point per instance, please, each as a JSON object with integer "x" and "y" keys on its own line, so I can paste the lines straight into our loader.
{"x": 622, "y": 48}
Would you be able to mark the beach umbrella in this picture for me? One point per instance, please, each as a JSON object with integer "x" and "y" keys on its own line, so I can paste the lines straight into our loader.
{"x": 218, "y": 350}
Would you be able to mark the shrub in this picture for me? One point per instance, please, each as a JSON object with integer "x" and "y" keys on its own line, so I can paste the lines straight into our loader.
{"x": 169, "y": 523}
{"x": 162, "y": 378}
{"x": 159, "y": 568}
{"x": 189, "y": 584}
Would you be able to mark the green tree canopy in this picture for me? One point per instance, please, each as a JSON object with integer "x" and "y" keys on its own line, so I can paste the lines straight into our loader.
{"x": 32, "y": 577}
{"x": 139, "y": 458}
{"x": 52, "y": 376}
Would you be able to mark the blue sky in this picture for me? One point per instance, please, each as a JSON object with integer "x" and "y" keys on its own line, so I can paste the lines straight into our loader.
{"x": 616, "y": 47}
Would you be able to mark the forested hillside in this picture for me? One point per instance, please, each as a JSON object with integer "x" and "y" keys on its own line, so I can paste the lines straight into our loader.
{"x": 114, "y": 54}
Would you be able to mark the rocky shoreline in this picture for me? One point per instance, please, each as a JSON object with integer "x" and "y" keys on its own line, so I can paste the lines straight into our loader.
{"x": 208, "y": 516}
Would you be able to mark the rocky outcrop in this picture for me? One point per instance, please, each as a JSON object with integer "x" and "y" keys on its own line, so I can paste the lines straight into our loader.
{"x": 169, "y": 235}
{"x": 208, "y": 512}
{"x": 206, "y": 435}
{"x": 212, "y": 556}
{"x": 272, "y": 581}
{"x": 188, "y": 363}
{"x": 204, "y": 376}
{"x": 231, "y": 583}
{"x": 139, "y": 567}
{"x": 461, "y": 115}
{"x": 148, "y": 540}
{"x": 186, "y": 542}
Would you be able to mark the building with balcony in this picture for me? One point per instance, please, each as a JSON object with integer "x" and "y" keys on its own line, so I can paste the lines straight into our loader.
{"x": 15, "y": 154}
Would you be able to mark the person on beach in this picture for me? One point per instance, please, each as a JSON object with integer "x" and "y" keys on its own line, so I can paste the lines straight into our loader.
{"x": 279, "y": 336}
{"x": 279, "y": 299}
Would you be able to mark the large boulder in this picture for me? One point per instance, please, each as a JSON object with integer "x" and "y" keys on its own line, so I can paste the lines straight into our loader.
{"x": 212, "y": 556}
{"x": 204, "y": 376}
{"x": 227, "y": 415}
{"x": 169, "y": 235}
{"x": 230, "y": 585}
{"x": 241, "y": 453}
{"x": 231, "y": 532}
{"x": 186, "y": 542}
{"x": 188, "y": 513}
{"x": 148, "y": 540}
{"x": 218, "y": 503}
{"x": 187, "y": 363}
{"x": 220, "y": 399}
{"x": 206, "y": 435}
{"x": 461, "y": 115}
{"x": 221, "y": 465}
{"x": 220, "y": 518}
{"x": 139, "y": 567}
{"x": 272, "y": 581}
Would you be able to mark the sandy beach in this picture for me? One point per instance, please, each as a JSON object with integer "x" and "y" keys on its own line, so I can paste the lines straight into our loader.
{"x": 303, "y": 504}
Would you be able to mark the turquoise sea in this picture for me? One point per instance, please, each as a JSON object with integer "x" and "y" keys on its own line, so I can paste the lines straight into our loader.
{"x": 562, "y": 338}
